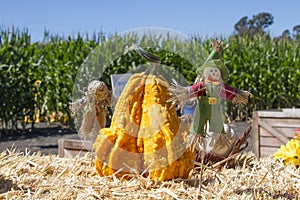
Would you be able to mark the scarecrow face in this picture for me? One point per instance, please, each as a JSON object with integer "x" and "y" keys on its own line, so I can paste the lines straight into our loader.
{"x": 212, "y": 74}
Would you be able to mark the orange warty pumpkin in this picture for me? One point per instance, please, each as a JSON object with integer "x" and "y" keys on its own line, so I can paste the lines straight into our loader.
{"x": 145, "y": 135}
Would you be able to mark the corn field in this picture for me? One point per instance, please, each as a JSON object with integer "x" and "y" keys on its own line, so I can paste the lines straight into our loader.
{"x": 268, "y": 68}
{"x": 41, "y": 75}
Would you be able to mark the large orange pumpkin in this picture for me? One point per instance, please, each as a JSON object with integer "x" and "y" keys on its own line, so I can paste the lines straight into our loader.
{"x": 146, "y": 135}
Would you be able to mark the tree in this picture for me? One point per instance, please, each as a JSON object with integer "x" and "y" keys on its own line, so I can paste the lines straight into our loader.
{"x": 263, "y": 20}
{"x": 296, "y": 32}
{"x": 285, "y": 36}
{"x": 242, "y": 26}
{"x": 286, "y": 33}
{"x": 256, "y": 25}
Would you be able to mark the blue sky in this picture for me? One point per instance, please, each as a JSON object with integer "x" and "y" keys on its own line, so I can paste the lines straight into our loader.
{"x": 204, "y": 18}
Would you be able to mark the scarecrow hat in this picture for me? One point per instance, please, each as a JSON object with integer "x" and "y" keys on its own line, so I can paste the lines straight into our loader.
{"x": 214, "y": 60}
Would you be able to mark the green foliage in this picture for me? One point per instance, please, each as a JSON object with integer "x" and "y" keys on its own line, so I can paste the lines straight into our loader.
{"x": 22, "y": 63}
{"x": 268, "y": 68}
{"x": 57, "y": 70}
{"x": 254, "y": 26}
{"x": 17, "y": 65}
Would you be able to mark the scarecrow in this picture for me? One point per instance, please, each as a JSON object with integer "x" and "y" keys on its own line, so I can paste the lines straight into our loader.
{"x": 208, "y": 131}
{"x": 96, "y": 98}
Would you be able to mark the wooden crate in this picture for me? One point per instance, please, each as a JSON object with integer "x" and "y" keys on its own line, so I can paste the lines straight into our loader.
{"x": 273, "y": 128}
{"x": 68, "y": 148}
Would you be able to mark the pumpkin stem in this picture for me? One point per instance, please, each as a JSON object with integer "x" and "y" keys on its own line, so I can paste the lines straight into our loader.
{"x": 153, "y": 59}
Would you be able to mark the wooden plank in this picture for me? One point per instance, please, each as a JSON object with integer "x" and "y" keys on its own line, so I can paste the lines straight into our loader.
{"x": 283, "y": 122}
{"x": 289, "y": 124}
{"x": 274, "y": 132}
{"x": 270, "y": 141}
{"x": 68, "y": 153}
{"x": 61, "y": 148}
{"x": 287, "y": 132}
{"x": 255, "y": 142}
{"x": 278, "y": 114}
{"x": 265, "y": 133}
{"x": 78, "y": 144}
{"x": 268, "y": 151}
{"x": 68, "y": 148}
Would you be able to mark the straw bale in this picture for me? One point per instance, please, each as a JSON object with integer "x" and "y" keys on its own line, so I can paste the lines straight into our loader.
{"x": 35, "y": 176}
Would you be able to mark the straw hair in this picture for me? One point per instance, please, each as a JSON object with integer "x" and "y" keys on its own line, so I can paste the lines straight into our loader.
{"x": 34, "y": 176}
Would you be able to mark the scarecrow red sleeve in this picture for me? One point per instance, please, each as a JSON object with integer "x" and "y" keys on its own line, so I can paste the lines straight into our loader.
{"x": 225, "y": 91}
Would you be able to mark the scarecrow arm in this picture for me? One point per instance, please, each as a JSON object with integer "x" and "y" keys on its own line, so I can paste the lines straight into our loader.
{"x": 179, "y": 95}
{"x": 197, "y": 90}
{"x": 234, "y": 95}
{"x": 226, "y": 92}
{"x": 241, "y": 97}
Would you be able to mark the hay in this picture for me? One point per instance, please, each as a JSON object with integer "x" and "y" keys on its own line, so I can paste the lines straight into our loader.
{"x": 33, "y": 176}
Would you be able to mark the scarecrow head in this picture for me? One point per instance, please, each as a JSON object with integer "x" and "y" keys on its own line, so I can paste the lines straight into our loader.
{"x": 213, "y": 68}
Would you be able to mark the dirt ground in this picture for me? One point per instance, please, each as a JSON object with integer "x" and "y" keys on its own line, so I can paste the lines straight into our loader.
{"x": 44, "y": 138}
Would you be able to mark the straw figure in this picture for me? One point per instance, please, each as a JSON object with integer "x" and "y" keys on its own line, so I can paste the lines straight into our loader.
{"x": 94, "y": 101}
{"x": 208, "y": 131}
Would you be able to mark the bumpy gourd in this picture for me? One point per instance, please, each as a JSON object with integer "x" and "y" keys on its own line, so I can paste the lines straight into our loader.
{"x": 145, "y": 134}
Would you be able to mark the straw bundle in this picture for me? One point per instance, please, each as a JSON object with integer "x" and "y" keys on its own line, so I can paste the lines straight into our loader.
{"x": 34, "y": 176}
